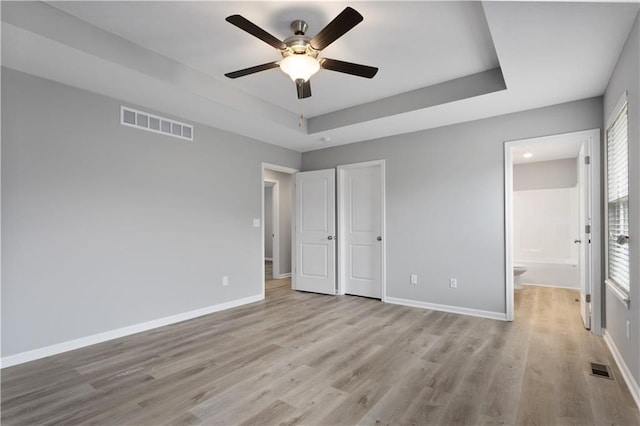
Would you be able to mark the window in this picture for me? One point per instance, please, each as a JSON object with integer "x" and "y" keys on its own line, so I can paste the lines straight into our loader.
{"x": 617, "y": 187}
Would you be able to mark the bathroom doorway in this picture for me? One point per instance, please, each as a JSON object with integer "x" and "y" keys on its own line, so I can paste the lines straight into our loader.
{"x": 552, "y": 217}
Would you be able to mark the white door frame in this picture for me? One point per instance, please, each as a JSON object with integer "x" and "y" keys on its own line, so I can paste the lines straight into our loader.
{"x": 584, "y": 200}
{"x": 275, "y": 227}
{"x": 342, "y": 249}
{"x": 291, "y": 171}
{"x": 593, "y": 140}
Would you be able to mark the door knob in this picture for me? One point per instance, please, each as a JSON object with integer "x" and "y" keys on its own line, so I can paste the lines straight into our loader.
{"x": 577, "y": 241}
{"x": 379, "y": 238}
{"x": 330, "y": 237}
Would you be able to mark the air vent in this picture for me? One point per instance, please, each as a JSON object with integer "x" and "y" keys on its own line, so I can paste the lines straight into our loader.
{"x": 153, "y": 123}
{"x": 600, "y": 370}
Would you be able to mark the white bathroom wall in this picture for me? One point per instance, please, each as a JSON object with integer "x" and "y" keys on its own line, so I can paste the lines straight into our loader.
{"x": 546, "y": 225}
{"x": 546, "y": 222}
{"x": 545, "y": 174}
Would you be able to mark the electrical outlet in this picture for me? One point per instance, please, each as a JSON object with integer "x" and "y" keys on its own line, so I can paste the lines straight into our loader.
{"x": 453, "y": 283}
{"x": 225, "y": 280}
{"x": 628, "y": 330}
{"x": 414, "y": 279}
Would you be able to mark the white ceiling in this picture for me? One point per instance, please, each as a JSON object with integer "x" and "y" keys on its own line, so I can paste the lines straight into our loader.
{"x": 209, "y": 44}
{"x": 171, "y": 57}
{"x": 557, "y": 147}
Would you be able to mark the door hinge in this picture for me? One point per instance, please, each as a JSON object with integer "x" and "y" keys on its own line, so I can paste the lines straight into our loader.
{"x": 588, "y": 298}
{"x": 587, "y": 160}
{"x": 587, "y": 229}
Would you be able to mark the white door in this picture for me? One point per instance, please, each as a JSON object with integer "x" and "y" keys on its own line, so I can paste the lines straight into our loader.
{"x": 361, "y": 224}
{"x": 315, "y": 261}
{"x": 583, "y": 239}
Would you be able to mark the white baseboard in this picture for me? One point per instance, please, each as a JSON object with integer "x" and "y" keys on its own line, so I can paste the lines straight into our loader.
{"x": 281, "y": 276}
{"x": 447, "y": 308}
{"x": 70, "y": 345}
{"x": 626, "y": 374}
{"x": 552, "y": 286}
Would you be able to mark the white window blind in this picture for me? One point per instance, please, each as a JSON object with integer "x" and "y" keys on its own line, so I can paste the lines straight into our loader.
{"x": 618, "y": 201}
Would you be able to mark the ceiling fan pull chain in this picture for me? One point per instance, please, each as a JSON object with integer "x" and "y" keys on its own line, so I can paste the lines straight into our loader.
{"x": 300, "y": 119}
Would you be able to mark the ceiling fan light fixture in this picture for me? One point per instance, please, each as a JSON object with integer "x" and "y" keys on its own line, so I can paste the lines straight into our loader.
{"x": 300, "y": 52}
{"x": 299, "y": 66}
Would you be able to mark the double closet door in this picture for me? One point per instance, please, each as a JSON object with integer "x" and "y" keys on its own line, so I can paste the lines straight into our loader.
{"x": 343, "y": 256}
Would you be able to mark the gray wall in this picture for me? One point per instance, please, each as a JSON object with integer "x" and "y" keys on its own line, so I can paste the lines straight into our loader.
{"x": 268, "y": 221}
{"x": 105, "y": 226}
{"x": 285, "y": 184}
{"x": 626, "y": 76}
{"x": 445, "y": 200}
{"x": 545, "y": 175}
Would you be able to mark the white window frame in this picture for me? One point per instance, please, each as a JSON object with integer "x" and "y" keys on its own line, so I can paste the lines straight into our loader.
{"x": 617, "y": 289}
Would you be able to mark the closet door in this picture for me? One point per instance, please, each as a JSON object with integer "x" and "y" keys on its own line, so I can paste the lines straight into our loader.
{"x": 361, "y": 207}
{"x": 315, "y": 264}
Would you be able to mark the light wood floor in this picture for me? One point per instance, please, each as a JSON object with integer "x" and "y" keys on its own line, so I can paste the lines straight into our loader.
{"x": 300, "y": 358}
{"x": 268, "y": 270}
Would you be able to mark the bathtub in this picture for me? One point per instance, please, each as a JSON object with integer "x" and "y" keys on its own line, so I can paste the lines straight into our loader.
{"x": 554, "y": 274}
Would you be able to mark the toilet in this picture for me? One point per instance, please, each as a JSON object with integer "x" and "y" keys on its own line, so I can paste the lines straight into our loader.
{"x": 518, "y": 270}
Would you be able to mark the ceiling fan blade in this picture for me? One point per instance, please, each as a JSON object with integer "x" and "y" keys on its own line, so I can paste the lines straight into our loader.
{"x": 348, "y": 68}
{"x": 335, "y": 29}
{"x": 252, "y": 70}
{"x": 304, "y": 88}
{"x": 248, "y": 26}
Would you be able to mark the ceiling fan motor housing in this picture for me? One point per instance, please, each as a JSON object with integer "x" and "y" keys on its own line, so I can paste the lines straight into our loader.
{"x": 299, "y": 27}
{"x": 299, "y": 44}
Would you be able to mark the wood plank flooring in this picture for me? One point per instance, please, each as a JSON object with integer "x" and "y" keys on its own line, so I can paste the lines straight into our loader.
{"x": 268, "y": 270}
{"x": 301, "y": 358}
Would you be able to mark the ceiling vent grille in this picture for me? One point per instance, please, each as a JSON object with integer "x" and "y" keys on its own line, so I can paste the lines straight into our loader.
{"x": 153, "y": 123}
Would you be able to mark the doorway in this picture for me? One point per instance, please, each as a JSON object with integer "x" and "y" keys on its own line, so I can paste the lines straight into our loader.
{"x": 277, "y": 222}
{"x": 548, "y": 238}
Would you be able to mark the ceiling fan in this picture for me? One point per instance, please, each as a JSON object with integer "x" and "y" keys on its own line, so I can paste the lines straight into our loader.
{"x": 300, "y": 52}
